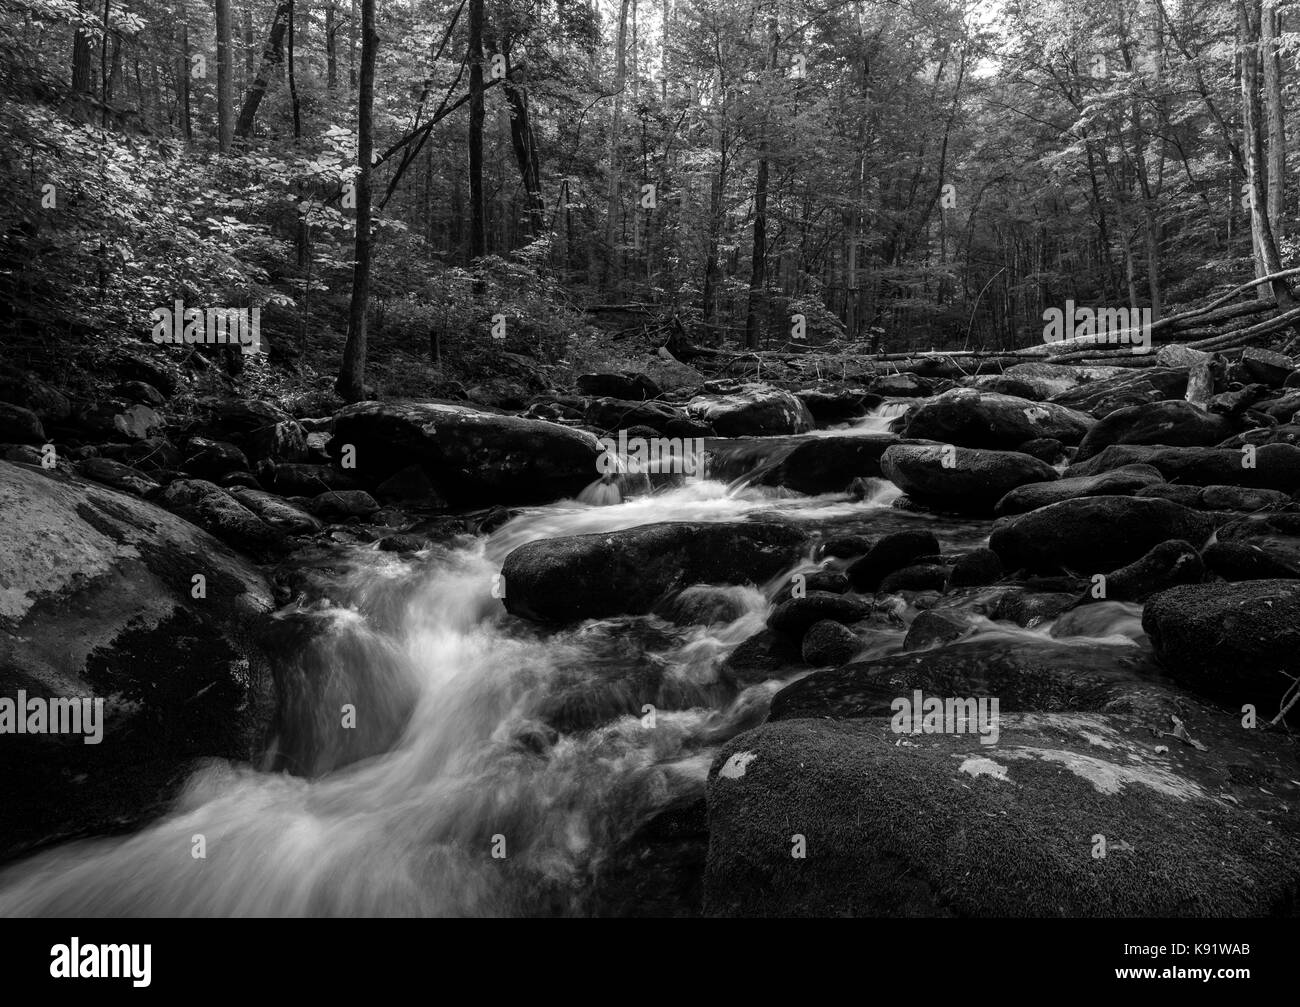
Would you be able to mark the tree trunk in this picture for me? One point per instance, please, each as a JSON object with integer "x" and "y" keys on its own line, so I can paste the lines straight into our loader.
{"x": 272, "y": 58}
{"x": 1274, "y": 113}
{"x": 613, "y": 261}
{"x": 225, "y": 98}
{"x": 758, "y": 262}
{"x": 351, "y": 381}
{"x": 477, "y": 232}
{"x": 331, "y": 50}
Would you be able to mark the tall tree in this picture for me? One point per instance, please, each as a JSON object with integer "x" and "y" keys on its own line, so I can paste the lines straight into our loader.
{"x": 477, "y": 233}
{"x": 225, "y": 98}
{"x": 351, "y": 380}
{"x": 272, "y": 59}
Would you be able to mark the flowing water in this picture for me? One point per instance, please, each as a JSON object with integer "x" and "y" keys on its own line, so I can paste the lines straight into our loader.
{"x": 460, "y": 757}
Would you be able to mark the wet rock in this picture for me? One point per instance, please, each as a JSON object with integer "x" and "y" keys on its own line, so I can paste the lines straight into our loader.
{"x": 838, "y": 405}
{"x": 98, "y": 602}
{"x": 829, "y": 642}
{"x": 410, "y": 485}
{"x": 1123, "y": 481}
{"x": 705, "y": 605}
{"x": 846, "y": 546}
{"x": 893, "y": 552}
{"x": 471, "y": 456}
{"x": 1186, "y": 496}
{"x": 935, "y": 627}
{"x": 1167, "y": 565}
{"x": 829, "y": 464}
{"x": 591, "y": 576}
{"x": 118, "y": 476}
{"x": 151, "y": 454}
{"x": 1094, "y": 534}
{"x": 974, "y": 419}
{"x": 976, "y": 569}
{"x": 961, "y": 480}
{"x": 261, "y": 430}
{"x": 764, "y": 656}
{"x": 1175, "y": 423}
{"x": 141, "y": 392}
{"x": 1243, "y": 498}
{"x": 1048, "y": 380}
{"x": 916, "y": 577}
{"x": 794, "y": 616}
{"x": 664, "y": 419}
{"x": 1029, "y": 608}
{"x": 752, "y": 410}
{"x": 402, "y": 543}
{"x": 827, "y": 580}
{"x": 1232, "y": 642}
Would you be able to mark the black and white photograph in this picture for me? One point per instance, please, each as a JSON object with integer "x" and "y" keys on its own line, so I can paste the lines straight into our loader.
{"x": 661, "y": 459}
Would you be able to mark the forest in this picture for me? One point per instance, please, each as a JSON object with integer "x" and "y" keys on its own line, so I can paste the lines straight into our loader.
{"x": 675, "y": 458}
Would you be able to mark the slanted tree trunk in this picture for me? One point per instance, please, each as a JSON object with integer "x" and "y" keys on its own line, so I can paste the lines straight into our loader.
{"x": 351, "y": 381}
{"x": 272, "y": 60}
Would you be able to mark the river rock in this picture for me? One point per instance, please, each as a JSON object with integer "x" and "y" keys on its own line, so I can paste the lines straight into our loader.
{"x": 963, "y": 480}
{"x": 878, "y": 818}
{"x": 118, "y": 476}
{"x": 975, "y": 419}
{"x": 976, "y": 569}
{"x": 473, "y": 457}
{"x": 1176, "y": 423}
{"x": 631, "y": 386}
{"x": 1232, "y": 642}
{"x": 1167, "y": 565}
{"x": 752, "y": 410}
{"x": 1272, "y": 466}
{"x": 1133, "y": 387}
{"x": 576, "y": 577}
{"x": 218, "y": 513}
{"x": 279, "y": 514}
{"x": 612, "y": 415}
{"x": 829, "y": 464}
{"x": 97, "y": 601}
{"x": 893, "y": 552}
{"x": 794, "y": 616}
{"x": 1094, "y": 534}
{"x": 829, "y": 642}
{"x": 1048, "y": 380}
{"x": 210, "y": 459}
{"x": 838, "y": 405}
{"x": 1267, "y": 366}
{"x": 1124, "y": 481}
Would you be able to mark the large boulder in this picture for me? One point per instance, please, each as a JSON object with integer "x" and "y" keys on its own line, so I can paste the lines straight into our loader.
{"x": 215, "y": 511}
{"x": 752, "y": 410}
{"x": 1095, "y": 534}
{"x": 1135, "y": 386}
{"x": 1125, "y": 481}
{"x": 472, "y": 457}
{"x": 562, "y": 580}
{"x": 1270, "y": 466}
{"x": 1177, "y": 423}
{"x": 975, "y": 419}
{"x": 19, "y": 425}
{"x": 1238, "y": 643}
{"x": 1047, "y": 380}
{"x": 623, "y": 414}
{"x": 964, "y": 480}
{"x": 98, "y": 601}
{"x": 829, "y": 464}
{"x": 632, "y": 386}
{"x": 822, "y": 818}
